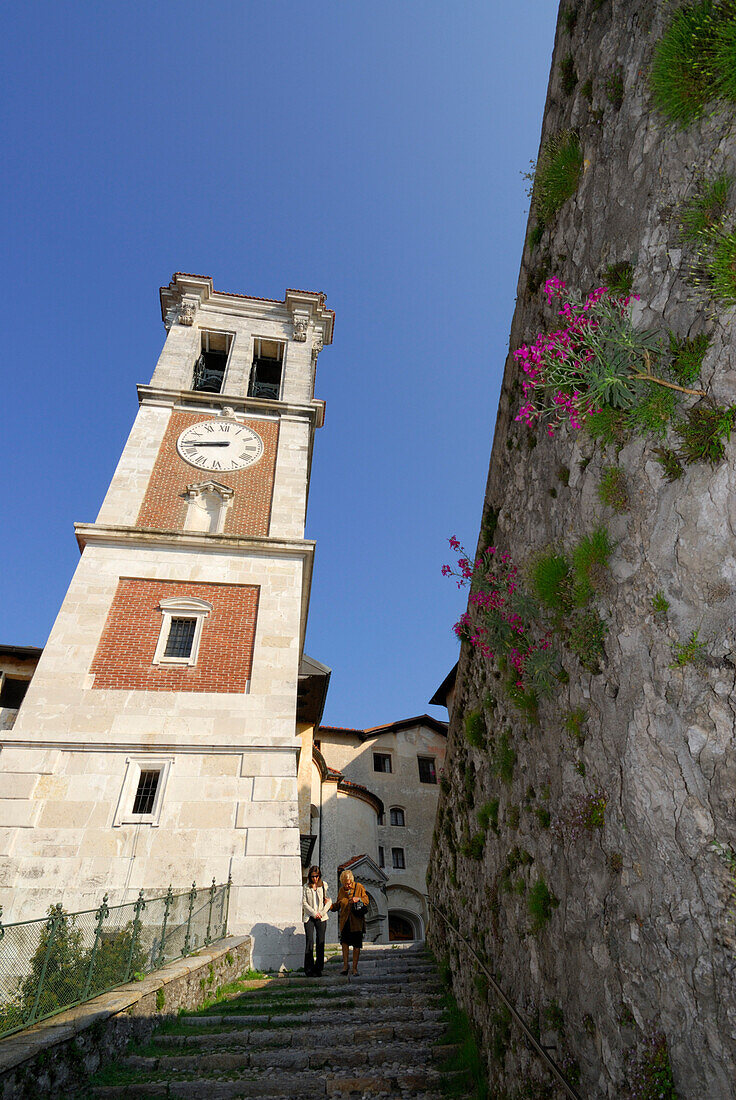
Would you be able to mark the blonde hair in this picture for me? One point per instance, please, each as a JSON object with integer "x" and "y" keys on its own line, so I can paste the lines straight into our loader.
{"x": 346, "y": 877}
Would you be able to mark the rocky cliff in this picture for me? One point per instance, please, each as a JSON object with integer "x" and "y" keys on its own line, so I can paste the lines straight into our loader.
{"x": 586, "y": 826}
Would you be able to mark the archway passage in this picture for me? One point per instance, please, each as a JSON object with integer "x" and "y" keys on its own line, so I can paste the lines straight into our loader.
{"x": 401, "y": 928}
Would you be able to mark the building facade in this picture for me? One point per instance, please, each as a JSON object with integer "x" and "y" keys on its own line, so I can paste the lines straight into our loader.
{"x": 157, "y": 743}
{"x": 373, "y": 801}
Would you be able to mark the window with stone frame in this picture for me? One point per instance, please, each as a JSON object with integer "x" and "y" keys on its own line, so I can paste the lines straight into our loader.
{"x": 181, "y": 630}
{"x": 396, "y": 816}
{"x": 382, "y": 762}
{"x": 398, "y": 860}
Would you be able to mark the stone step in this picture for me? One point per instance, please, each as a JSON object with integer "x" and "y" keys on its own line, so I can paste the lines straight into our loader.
{"x": 314, "y": 1017}
{"x": 303, "y": 1037}
{"x": 393, "y": 1081}
{"x": 322, "y": 1056}
{"x": 352, "y": 999}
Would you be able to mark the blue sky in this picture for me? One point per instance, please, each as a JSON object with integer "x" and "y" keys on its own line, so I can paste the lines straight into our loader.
{"x": 372, "y": 151}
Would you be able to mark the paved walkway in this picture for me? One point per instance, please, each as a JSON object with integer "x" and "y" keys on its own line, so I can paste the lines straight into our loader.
{"x": 377, "y": 1035}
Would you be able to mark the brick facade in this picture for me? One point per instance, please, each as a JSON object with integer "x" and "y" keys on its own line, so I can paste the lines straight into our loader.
{"x": 165, "y": 506}
{"x": 125, "y": 654}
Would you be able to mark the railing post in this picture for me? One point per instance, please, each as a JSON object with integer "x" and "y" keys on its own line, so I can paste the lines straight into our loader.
{"x": 227, "y": 903}
{"x": 140, "y": 905}
{"x": 99, "y": 917}
{"x": 53, "y": 924}
{"x": 162, "y": 944}
{"x": 192, "y": 899}
{"x": 212, "y": 892}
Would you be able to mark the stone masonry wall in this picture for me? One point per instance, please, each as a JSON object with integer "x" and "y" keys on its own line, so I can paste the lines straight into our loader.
{"x": 639, "y": 940}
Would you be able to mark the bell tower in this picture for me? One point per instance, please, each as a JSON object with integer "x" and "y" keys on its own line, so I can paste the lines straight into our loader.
{"x": 157, "y": 743}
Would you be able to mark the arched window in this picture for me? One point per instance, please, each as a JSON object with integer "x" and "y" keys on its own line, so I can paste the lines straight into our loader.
{"x": 396, "y": 816}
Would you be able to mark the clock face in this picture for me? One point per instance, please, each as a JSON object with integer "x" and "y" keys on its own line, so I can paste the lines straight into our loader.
{"x": 219, "y": 445}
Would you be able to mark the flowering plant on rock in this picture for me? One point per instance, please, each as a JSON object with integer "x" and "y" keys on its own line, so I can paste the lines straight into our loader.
{"x": 596, "y": 359}
{"x": 502, "y": 622}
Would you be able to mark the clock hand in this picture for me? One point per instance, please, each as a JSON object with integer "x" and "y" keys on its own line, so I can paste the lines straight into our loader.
{"x": 194, "y": 443}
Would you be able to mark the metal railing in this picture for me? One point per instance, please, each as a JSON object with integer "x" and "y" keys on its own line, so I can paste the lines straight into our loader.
{"x": 528, "y": 1033}
{"x": 61, "y": 961}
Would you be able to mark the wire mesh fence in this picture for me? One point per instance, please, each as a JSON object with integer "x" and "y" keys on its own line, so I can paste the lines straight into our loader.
{"x": 66, "y": 958}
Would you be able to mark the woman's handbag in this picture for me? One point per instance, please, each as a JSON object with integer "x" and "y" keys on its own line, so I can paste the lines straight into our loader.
{"x": 359, "y": 907}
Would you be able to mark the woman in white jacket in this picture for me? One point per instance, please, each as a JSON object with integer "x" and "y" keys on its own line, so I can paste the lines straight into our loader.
{"x": 316, "y": 906}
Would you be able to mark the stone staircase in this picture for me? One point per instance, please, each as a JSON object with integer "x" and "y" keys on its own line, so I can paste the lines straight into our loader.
{"x": 376, "y": 1035}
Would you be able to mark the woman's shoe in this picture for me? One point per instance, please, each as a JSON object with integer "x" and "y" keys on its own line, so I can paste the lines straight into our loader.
{"x": 345, "y": 972}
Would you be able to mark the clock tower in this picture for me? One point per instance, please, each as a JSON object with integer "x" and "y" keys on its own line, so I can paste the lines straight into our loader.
{"x": 157, "y": 742}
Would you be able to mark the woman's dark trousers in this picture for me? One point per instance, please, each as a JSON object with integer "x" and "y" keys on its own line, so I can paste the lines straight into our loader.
{"x": 314, "y": 928}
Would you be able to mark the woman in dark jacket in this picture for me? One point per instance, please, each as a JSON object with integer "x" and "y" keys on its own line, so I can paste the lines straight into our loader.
{"x": 351, "y": 906}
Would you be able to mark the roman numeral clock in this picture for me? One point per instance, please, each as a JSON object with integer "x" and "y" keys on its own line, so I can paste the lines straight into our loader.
{"x": 157, "y": 743}
{"x": 219, "y": 446}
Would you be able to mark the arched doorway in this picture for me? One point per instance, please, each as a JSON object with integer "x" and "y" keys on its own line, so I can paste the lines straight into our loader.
{"x": 403, "y": 926}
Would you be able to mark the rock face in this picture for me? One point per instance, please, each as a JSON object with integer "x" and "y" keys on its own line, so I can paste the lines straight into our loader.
{"x": 640, "y": 944}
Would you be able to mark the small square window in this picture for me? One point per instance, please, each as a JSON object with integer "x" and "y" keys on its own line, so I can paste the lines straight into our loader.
{"x": 182, "y": 619}
{"x": 381, "y": 857}
{"x": 142, "y": 794}
{"x": 145, "y": 795}
{"x": 181, "y": 638}
{"x": 397, "y": 859}
{"x": 397, "y": 816}
{"x": 427, "y": 770}
{"x": 381, "y": 762}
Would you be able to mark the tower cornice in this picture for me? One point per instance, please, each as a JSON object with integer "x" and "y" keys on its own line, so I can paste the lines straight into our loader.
{"x": 193, "y": 292}
{"x": 104, "y": 534}
{"x": 214, "y": 402}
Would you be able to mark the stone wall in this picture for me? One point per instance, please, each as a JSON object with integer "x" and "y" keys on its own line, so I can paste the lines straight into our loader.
{"x": 56, "y": 1057}
{"x": 639, "y": 937}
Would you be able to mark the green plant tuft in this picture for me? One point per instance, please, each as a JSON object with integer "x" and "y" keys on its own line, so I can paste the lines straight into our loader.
{"x": 488, "y": 815}
{"x": 691, "y": 652}
{"x": 160, "y": 1000}
{"x": 586, "y": 90}
{"x": 475, "y": 729}
{"x": 543, "y": 816}
{"x": 608, "y": 425}
{"x": 720, "y": 266}
{"x": 569, "y": 19}
{"x": 540, "y": 903}
{"x": 619, "y": 278}
{"x": 574, "y": 722}
{"x": 704, "y": 433}
{"x": 672, "y": 468}
{"x": 660, "y": 604}
{"x": 557, "y": 174}
{"x": 586, "y": 637}
{"x": 687, "y": 69}
{"x": 513, "y": 816}
{"x": 590, "y": 564}
{"x": 472, "y": 848}
{"x": 687, "y": 357}
{"x": 702, "y": 213}
{"x": 724, "y": 60}
{"x": 654, "y": 413}
{"x": 535, "y": 234}
{"x": 569, "y": 76}
{"x": 613, "y": 490}
{"x": 503, "y": 760}
{"x": 550, "y": 578}
{"x": 615, "y": 89}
